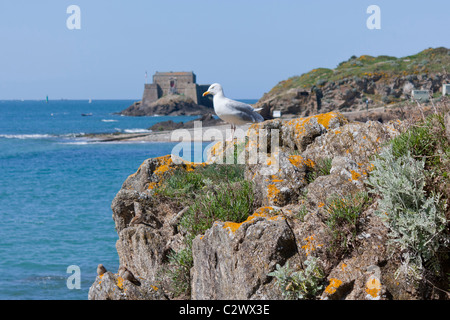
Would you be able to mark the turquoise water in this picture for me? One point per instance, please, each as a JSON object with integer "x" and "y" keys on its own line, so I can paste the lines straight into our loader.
{"x": 56, "y": 192}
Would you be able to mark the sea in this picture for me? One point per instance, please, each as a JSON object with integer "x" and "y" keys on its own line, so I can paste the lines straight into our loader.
{"x": 56, "y": 190}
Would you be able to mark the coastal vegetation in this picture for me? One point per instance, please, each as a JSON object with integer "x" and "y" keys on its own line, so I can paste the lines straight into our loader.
{"x": 410, "y": 178}
{"x": 343, "y": 219}
{"x": 213, "y": 192}
{"x": 377, "y": 88}
{"x": 303, "y": 284}
{"x": 427, "y": 61}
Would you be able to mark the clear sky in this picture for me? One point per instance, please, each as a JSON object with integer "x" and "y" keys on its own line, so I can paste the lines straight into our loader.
{"x": 248, "y": 45}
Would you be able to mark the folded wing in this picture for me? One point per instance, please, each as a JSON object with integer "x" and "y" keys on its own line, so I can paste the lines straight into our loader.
{"x": 245, "y": 111}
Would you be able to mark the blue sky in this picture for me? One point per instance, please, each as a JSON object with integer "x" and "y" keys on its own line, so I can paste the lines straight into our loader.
{"x": 248, "y": 46}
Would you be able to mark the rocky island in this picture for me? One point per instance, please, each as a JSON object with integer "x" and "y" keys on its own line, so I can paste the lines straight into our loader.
{"x": 170, "y": 105}
{"x": 171, "y": 94}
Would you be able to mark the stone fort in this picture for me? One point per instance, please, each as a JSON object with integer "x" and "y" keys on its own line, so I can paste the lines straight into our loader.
{"x": 183, "y": 83}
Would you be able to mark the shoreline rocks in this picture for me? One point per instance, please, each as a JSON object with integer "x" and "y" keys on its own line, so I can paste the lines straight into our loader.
{"x": 169, "y": 105}
{"x": 207, "y": 120}
{"x": 232, "y": 260}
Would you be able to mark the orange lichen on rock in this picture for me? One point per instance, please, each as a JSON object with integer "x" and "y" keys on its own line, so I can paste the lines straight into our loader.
{"x": 310, "y": 163}
{"x": 355, "y": 175}
{"x": 120, "y": 283}
{"x": 332, "y": 287}
{"x": 272, "y": 192}
{"x": 152, "y": 185}
{"x": 323, "y": 119}
{"x": 164, "y": 165}
{"x": 167, "y": 166}
{"x": 261, "y": 212}
{"x": 310, "y": 245}
{"x": 296, "y": 160}
{"x": 191, "y": 166}
{"x": 373, "y": 287}
{"x": 165, "y": 161}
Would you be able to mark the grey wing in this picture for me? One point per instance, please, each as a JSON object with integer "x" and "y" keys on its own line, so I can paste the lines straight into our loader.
{"x": 246, "y": 111}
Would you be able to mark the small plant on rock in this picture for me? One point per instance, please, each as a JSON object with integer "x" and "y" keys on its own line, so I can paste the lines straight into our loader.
{"x": 416, "y": 221}
{"x": 343, "y": 214}
{"x": 321, "y": 168}
{"x": 178, "y": 270}
{"x": 302, "y": 284}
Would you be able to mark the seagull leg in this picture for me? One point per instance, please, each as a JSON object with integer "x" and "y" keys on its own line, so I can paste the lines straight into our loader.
{"x": 232, "y": 133}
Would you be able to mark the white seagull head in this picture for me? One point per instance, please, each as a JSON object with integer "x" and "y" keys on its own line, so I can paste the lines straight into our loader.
{"x": 214, "y": 89}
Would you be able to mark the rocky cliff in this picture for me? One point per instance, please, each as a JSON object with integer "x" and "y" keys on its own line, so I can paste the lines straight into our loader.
{"x": 310, "y": 229}
{"x": 381, "y": 80}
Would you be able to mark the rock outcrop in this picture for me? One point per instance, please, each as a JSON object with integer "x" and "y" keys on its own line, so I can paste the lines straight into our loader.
{"x": 348, "y": 94}
{"x": 378, "y": 81}
{"x": 169, "y": 105}
{"x": 207, "y": 120}
{"x": 320, "y": 159}
{"x": 232, "y": 260}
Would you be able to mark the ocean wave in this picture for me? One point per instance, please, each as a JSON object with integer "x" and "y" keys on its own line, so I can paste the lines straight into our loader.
{"x": 26, "y": 136}
{"x": 79, "y": 143}
{"x": 109, "y": 120}
{"x": 137, "y": 131}
{"x": 37, "y": 136}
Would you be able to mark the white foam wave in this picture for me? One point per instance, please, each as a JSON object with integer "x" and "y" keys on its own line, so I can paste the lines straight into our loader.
{"x": 137, "y": 131}
{"x": 79, "y": 143}
{"x": 25, "y": 136}
{"x": 109, "y": 120}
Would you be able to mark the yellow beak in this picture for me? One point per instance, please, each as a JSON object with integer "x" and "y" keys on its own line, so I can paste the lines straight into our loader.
{"x": 206, "y": 93}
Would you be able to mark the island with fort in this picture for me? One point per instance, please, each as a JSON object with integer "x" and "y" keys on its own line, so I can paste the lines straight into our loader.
{"x": 171, "y": 94}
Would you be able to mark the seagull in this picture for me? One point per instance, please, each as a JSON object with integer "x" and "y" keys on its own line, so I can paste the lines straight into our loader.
{"x": 231, "y": 111}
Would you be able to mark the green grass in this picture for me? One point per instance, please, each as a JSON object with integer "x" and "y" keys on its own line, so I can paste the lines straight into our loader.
{"x": 224, "y": 202}
{"x": 302, "y": 212}
{"x": 321, "y": 168}
{"x": 343, "y": 216}
{"x": 188, "y": 183}
{"x": 180, "y": 264}
{"x": 424, "y": 139}
{"x": 213, "y": 192}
